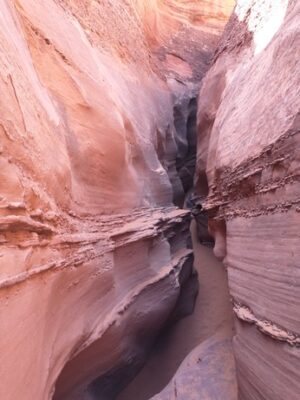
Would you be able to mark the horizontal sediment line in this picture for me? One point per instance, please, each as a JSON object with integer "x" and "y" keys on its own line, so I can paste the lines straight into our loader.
{"x": 265, "y": 326}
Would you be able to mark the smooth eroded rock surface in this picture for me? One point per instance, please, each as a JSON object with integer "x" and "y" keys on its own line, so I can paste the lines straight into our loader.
{"x": 208, "y": 373}
{"x": 248, "y": 153}
{"x": 92, "y": 250}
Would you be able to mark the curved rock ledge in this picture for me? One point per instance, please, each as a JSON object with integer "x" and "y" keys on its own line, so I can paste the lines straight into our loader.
{"x": 267, "y": 327}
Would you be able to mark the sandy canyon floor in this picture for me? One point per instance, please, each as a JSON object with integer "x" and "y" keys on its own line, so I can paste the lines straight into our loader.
{"x": 212, "y": 316}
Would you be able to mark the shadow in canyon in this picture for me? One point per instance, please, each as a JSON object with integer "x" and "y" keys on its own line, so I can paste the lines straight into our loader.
{"x": 212, "y": 315}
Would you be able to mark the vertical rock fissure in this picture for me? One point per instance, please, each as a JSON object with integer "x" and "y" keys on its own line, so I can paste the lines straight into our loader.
{"x": 210, "y": 323}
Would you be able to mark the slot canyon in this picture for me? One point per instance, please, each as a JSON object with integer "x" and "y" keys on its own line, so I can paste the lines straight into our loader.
{"x": 150, "y": 200}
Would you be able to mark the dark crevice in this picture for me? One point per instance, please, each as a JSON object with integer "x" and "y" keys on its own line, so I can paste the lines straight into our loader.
{"x": 185, "y": 124}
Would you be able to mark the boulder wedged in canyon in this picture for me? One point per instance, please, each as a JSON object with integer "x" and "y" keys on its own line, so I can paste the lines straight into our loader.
{"x": 248, "y": 157}
{"x": 208, "y": 373}
{"x": 93, "y": 253}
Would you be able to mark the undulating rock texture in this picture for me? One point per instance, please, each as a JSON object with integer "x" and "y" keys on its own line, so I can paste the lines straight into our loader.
{"x": 97, "y": 142}
{"x": 248, "y": 159}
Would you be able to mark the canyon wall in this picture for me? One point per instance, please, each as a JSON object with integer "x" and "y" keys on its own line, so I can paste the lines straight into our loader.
{"x": 248, "y": 161}
{"x": 96, "y": 127}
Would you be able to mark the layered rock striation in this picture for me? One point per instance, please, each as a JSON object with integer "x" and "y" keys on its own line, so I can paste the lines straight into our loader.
{"x": 93, "y": 253}
{"x": 248, "y": 160}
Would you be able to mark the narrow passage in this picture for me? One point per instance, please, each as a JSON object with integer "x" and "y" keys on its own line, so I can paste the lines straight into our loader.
{"x": 212, "y": 314}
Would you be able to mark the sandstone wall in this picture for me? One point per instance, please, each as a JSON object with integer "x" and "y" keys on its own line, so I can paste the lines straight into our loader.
{"x": 248, "y": 156}
{"x": 92, "y": 251}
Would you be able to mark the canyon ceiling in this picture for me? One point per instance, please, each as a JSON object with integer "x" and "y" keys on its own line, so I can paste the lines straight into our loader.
{"x": 99, "y": 148}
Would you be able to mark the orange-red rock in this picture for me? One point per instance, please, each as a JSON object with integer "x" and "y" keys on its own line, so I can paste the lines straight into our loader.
{"x": 91, "y": 247}
{"x": 248, "y": 160}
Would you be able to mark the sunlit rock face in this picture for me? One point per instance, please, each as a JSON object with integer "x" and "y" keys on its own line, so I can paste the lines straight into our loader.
{"x": 248, "y": 138}
{"x": 92, "y": 250}
{"x": 181, "y": 36}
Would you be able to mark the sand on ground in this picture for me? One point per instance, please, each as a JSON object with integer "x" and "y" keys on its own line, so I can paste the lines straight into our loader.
{"x": 212, "y": 315}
